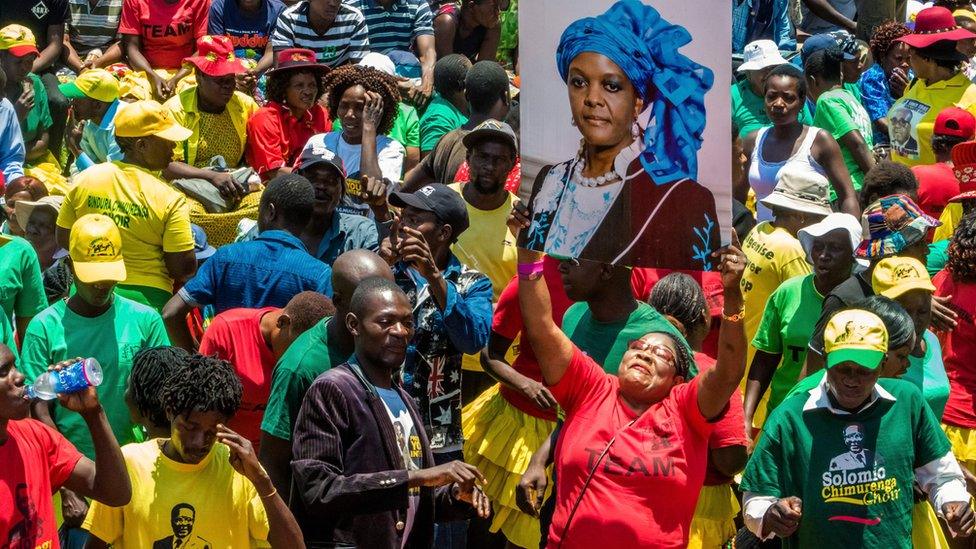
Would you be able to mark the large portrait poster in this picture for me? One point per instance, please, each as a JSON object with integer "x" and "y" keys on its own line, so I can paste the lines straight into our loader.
{"x": 626, "y": 129}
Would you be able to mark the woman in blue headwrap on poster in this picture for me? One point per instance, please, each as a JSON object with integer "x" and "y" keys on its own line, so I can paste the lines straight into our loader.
{"x": 630, "y": 196}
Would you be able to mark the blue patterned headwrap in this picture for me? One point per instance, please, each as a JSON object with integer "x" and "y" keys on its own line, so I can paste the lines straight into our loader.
{"x": 645, "y": 46}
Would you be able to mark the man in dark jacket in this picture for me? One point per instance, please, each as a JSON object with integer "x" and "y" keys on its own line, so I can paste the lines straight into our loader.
{"x": 362, "y": 468}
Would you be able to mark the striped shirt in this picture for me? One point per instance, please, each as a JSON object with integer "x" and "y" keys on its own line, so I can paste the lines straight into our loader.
{"x": 395, "y": 28}
{"x": 344, "y": 42}
{"x": 93, "y": 27}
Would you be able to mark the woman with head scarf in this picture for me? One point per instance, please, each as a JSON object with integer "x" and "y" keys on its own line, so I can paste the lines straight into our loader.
{"x": 639, "y": 105}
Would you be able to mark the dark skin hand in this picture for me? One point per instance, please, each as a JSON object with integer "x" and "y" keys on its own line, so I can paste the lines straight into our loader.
{"x": 960, "y": 518}
{"x": 944, "y": 319}
{"x": 464, "y": 477}
{"x": 898, "y": 82}
{"x": 532, "y": 487}
{"x": 374, "y": 195}
{"x": 783, "y": 517}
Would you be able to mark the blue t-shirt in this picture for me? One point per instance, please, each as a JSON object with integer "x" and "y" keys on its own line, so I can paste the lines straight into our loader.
{"x": 249, "y": 32}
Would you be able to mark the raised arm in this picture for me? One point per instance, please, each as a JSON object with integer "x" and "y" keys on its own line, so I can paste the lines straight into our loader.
{"x": 553, "y": 349}
{"x": 718, "y": 383}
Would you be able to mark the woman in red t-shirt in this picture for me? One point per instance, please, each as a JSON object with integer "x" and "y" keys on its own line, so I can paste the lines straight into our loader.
{"x": 958, "y": 280}
{"x": 278, "y": 131}
{"x": 632, "y": 455}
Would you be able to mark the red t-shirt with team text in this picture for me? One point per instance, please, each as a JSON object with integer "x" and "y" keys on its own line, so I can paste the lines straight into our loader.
{"x": 34, "y": 462}
{"x": 644, "y": 490}
{"x": 169, "y": 31}
{"x": 507, "y": 322}
{"x": 235, "y": 336}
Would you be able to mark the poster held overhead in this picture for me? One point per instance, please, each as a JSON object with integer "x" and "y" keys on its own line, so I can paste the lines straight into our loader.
{"x": 634, "y": 168}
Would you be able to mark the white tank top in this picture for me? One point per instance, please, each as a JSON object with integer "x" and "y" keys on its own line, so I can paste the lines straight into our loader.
{"x": 762, "y": 174}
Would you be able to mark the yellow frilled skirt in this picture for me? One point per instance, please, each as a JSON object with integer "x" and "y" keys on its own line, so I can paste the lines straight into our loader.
{"x": 499, "y": 439}
{"x": 714, "y": 520}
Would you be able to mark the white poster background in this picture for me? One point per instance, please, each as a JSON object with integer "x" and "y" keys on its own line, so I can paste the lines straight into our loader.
{"x": 547, "y": 134}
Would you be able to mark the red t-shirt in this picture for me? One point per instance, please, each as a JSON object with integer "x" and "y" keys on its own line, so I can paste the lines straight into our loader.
{"x": 936, "y": 185}
{"x": 645, "y": 489}
{"x": 507, "y": 322}
{"x": 275, "y": 138}
{"x": 512, "y": 182}
{"x": 169, "y": 31}
{"x": 959, "y": 352}
{"x": 34, "y": 462}
{"x": 235, "y": 336}
{"x": 643, "y": 281}
{"x": 729, "y": 431}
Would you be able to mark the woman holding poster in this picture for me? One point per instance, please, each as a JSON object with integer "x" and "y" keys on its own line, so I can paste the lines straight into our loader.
{"x": 630, "y": 195}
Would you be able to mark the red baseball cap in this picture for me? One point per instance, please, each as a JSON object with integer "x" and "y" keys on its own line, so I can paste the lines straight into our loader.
{"x": 955, "y": 122}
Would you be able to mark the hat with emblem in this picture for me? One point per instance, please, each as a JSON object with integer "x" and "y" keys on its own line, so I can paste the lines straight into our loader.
{"x": 95, "y": 248}
{"x": 18, "y": 40}
{"x": 215, "y": 57}
{"x": 440, "y": 199}
{"x": 855, "y": 335}
{"x": 895, "y": 276}
{"x": 97, "y": 84}
{"x": 297, "y": 58}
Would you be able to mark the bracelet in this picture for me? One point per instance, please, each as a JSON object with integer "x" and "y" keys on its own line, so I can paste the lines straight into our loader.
{"x": 735, "y": 317}
{"x": 530, "y": 271}
{"x": 273, "y": 492}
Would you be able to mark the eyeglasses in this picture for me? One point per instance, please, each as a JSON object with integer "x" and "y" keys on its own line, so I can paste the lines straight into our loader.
{"x": 657, "y": 351}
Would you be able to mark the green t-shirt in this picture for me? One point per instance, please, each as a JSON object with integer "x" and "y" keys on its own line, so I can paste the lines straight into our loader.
{"x": 938, "y": 257}
{"x": 606, "y": 343}
{"x": 787, "y": 323}
{"x": 840, "y": 113}
{"x": 21, "y": 285}
{"x": 7, "y": 338}
{"x": 112, "y": 339}
{"x": 439, "y": 118}
{"x": 926, "y": 373}
{"x": 854, "y": 89}
{"x": 856, "y": 481}
{"x": 39, "y": 118}
{"x": 749, "y": 110}
{"x": 309, "y": 356}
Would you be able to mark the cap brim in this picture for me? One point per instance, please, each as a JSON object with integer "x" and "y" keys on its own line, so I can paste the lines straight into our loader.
{"x": 780, "y": 200}
{"x": 24, "y": 210}
{"x": 895, "y": 291}
{"x": 175, "y": 133}
{"x": 71, "y": 91}
{"x": 217, "y": 69}
{"x": 401, "y": 200}
{"x": 21, "y": 51}
{"x": 205, "y": 253}
{"x": 91, "y": 272}
{"x": 760, "y": 64}
{"x": 866, "y": 358}
{"x": 926, "y": 40}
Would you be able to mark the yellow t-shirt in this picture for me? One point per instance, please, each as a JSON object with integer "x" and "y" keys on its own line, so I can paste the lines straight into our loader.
{"x": 775, "y": 256}
{"x": 951, "y": 216}
{"x": 911, "y": 119}
{"x": 487, "y": 246}
{"x": 152, "y": 217}
{"x": 207, "y": 504}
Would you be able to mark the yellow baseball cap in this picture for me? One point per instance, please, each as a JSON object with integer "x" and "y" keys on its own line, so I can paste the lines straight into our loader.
{"x": 95, "y": 248}
{"x": 18, "y": 40}
{"x": 145, "y": 118}
{"x": 896, "y": 275}
{"x": 97, "y": 84}
{"x": 857, "y": 336}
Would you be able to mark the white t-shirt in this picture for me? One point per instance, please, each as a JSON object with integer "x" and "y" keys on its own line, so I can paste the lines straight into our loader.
{"x": 390, "y": 155}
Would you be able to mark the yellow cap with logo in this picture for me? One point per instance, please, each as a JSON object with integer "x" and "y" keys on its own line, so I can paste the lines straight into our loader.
{"x": 855, "y": 336}
{"x": 95, "y": 248}
{"x": 18, "y": 40}
{"x": 97, "y": 84}
{"x": 896, "y": 275}
{"x": 145, "y": 118}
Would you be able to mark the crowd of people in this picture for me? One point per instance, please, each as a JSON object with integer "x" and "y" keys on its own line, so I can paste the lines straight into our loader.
{"x": 292, "y": 236}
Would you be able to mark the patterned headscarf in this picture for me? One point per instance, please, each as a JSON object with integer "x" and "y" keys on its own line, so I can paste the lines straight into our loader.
{"x": 645, "y": 47}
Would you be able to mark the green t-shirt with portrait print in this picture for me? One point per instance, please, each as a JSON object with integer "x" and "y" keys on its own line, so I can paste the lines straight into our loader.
{"x": 787, "y": 324}
{"x": 606, "y": 342}
{"x": 856, "y": 481}
{"x": 840, "y": 113}
{"x": 112, "y": 338}
{"x": 21, "y": 284}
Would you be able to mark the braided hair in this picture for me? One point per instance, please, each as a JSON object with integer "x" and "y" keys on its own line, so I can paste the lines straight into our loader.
{"x": 201, "y": 384}
{"x": 962, "y": 250}
{"x": 679, "y": 296}
{"x": 884, "y": 38}
{"x": 341, "y": 79}
{"x": 151, "y": 367}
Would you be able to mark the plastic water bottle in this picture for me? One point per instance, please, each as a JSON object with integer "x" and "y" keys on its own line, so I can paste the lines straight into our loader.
{"x": 79, "y": 376}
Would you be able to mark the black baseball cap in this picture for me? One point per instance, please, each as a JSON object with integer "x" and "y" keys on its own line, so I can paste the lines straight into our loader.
{"x": 445, "y": 203}
{"x": 491, "y": 129}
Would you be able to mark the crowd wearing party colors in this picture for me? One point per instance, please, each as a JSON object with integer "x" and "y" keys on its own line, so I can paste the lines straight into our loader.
{"x": 266, "y": 280}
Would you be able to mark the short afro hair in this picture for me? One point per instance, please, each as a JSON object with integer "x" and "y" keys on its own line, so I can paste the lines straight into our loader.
{"x": 485, "y": 84}
{"x": 292, "y": 196}
{"x": 341, "y": 79}
{"x": 306, "y": 309}
{"x": 201, "y": 384}
{"x": 151, "y": 367}
{"x": 888, "y": 178}
{"x": 278, "y": 82}
{"x": 366, "y": 289}
{"x": 450, "y": 72}
{"x": 787, "y": 70}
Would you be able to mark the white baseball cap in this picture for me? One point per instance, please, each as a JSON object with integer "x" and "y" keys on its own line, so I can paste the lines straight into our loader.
{"x": 759, "y": 55}
{"x": 380, "y": 62}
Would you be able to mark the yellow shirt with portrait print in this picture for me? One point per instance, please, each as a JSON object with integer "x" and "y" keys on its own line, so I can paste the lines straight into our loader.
{"x": 774, "y": 256}
{"x": 152, "y": 217}
{"x": 206, "y": 504}
{"x": 923, "y": 102}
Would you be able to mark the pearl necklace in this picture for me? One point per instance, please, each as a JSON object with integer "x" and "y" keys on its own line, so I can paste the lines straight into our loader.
{"x": 609, "y": 177}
